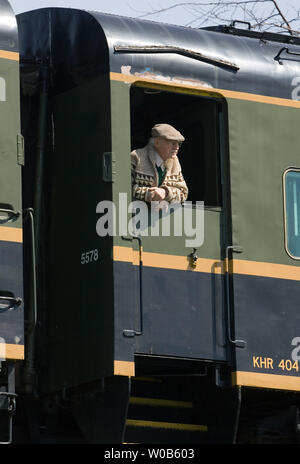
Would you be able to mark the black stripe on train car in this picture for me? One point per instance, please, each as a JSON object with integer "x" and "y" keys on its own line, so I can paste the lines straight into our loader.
{"x": 185, "y": 318}
{"x": 267, "y": 318}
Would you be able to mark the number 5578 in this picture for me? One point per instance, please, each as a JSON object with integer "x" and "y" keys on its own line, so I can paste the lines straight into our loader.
{"x": 89, "y": 256}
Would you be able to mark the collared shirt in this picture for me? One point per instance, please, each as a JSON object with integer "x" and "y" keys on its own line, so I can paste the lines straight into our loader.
{"x": 159, "y": 161}
{"x": 160, "y": 167}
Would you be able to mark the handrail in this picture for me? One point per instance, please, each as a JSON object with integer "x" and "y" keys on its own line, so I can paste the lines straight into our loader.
{"x": 130, "y": 332}
{"x": 12, "y": 303}
{"x": 33, "y": 320}
{"x": 179, "y": 51}
{"x": 238, "y": 343}
{"x": 233, "y": 23}
{"x": 277, "y": 57}
{"x": 11, "y": 215}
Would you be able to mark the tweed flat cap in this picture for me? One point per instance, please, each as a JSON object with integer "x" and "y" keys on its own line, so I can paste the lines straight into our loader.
{"x": 167, "y": 132}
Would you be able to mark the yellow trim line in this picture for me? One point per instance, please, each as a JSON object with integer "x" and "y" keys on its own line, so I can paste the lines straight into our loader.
{"x": 277, "y": 271}
{"x": 166, "y": 425}
{"x": 165, "y": 261}
{"x": 10, "y": 351}
{"x": 125, "y": 368}
{"x": 11, "y": 234}
{"x": 9, "y": 55}
{"x": 129, "y": 78}
{"x": 254, "y": 379}
{"x": 181, "y": 263}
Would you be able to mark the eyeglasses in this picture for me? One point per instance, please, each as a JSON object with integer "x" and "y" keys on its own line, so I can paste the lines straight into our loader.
{"x": 173, "y": 142}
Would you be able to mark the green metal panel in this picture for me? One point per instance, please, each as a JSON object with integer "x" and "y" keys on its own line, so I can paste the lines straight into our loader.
{"x": 10, "y": 185}
{"x": 11, "y": 253}
{"x": 264, "y": 142}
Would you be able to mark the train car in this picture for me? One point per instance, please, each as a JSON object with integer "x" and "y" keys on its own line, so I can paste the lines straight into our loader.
{"x": 180, "y": 327}
{"x": 11, "y": 236}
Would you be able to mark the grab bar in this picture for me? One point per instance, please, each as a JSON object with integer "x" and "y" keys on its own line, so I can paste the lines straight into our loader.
{"x": 129, "y": 332}
{"x": 11, "y": 215}
{"x": 11, "y": 303}
{"x": 238, "y": 343}
{"x": 277, "y": 57}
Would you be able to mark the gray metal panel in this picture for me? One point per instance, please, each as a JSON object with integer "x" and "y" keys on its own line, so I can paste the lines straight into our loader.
{"x": 8, "y": 28}
{"x": 259, "y": 73}
{"x": 75, "y": 33}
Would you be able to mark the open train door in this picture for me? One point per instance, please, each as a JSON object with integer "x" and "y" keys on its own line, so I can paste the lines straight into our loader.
{"x": 11, "y": 160}
{"x": 170, "y": 304}
{"x": 169, "y": 283}
{"x": 263, "y": 274}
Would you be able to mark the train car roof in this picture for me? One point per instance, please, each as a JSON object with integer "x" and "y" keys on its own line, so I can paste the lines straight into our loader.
{"x": 8, "y": 28}
{"x": 243, "y": 62}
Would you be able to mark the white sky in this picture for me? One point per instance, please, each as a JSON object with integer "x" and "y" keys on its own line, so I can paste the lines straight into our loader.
{"x": 134, "y": 8}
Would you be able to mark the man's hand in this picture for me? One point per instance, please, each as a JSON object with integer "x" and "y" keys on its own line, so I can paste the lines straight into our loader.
{"x": 156, "y": 194}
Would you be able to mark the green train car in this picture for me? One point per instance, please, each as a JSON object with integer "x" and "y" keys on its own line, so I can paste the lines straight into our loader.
{"x": 115, "y": 331}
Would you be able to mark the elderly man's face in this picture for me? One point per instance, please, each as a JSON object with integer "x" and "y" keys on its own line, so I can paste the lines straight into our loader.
{"x": 166, "y": 148}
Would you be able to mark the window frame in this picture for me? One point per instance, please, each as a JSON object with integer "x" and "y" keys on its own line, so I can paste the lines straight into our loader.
{"x": 216, "y": 98}
{"x": 286, "y": 232}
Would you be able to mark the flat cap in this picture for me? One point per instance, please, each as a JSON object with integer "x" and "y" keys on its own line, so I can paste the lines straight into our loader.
{"x": 167, "y": 132}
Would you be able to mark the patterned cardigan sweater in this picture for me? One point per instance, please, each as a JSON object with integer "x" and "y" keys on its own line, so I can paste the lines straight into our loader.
{"x": 144, "y": 175}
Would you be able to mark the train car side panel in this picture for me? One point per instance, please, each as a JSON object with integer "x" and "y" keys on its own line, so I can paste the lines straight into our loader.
{"x": 11, "y": 232}
{"x": 265, "y": 279}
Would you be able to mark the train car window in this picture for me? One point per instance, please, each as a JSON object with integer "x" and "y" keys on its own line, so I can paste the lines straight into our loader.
{"x": 292, "y": 212}
{"x": 197, "y": 118}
